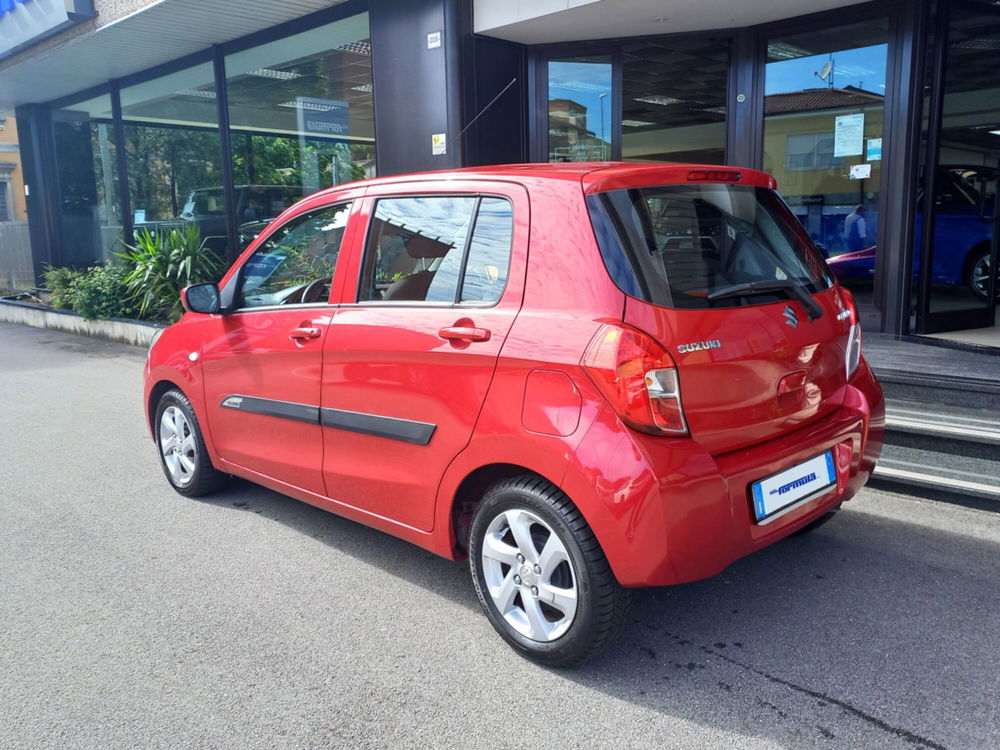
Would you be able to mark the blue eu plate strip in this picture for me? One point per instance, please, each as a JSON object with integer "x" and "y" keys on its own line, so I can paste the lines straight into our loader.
{"x": 830, "y": 470}
{"x": 758, "y": 500}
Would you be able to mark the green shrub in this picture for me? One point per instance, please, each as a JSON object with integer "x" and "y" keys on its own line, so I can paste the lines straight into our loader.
{"x": 101, "y": 292}
{"x": 162, "y": 263}
{"x": 61, "y": 281}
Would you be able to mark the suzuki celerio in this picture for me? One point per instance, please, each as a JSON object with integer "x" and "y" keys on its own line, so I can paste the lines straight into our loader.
{"x": 584, "y": 378}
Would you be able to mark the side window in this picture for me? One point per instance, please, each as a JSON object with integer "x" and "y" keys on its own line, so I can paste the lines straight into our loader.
{"x": 295, "y": 264}
{"x": 418, "y": 246}
{"x": 415, "y": 248}
{"x": 489, "y": 252}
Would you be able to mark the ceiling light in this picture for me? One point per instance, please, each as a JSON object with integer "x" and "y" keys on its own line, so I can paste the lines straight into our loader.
{"x": 785, "y": 51}
{"x": 995, "y": 132}
{"x": 578, "y": 86}
{"x": 312, "y": 106}
{"x": 636, "y": 123}
{"x": 280, "y": 75}
{"x": 977, "y": 43}
{"x": 658, "y": 99}
{"x": 196, "y": 92}
{"x": 363, "y": 47}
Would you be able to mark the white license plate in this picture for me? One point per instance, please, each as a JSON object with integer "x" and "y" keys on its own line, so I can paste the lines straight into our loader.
{"x": 793, "y": 485}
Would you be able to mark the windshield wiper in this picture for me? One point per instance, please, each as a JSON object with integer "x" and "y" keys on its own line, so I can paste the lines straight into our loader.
{"x": 769, "y": 287}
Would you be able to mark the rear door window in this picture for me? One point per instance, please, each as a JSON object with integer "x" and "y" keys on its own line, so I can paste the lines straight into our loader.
{"x": 675, "y": 245}
{"x": 440, "y": 249}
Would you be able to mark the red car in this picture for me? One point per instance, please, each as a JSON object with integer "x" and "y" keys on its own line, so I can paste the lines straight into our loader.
{"x": 583, "y": 377}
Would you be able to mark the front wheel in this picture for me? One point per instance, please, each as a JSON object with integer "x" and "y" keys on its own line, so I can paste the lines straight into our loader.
{"x": 541, "y": 576}
{"x": 181, "y": 446}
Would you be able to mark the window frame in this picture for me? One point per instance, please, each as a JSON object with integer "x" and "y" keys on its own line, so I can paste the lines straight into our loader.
{"x": 372, "y": 202}
{"x": 351, "y": 204}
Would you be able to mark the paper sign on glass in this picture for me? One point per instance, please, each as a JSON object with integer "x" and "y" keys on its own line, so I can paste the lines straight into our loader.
{"x": 874, "y": 149}
{"x": 861, "y": 171}
{"x": 849, "y": 135}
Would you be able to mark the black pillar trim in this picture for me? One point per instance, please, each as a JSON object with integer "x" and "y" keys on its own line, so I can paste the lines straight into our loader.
{"x": 745, "y": 119}
{"x": 900, "y": 167}
{"x": 34, "y": 133}
{"x": 457, "y": 27}
{"x": 934, "y": 120}
{"x": 225, "y": 151}
{"x": 121, "y": 164}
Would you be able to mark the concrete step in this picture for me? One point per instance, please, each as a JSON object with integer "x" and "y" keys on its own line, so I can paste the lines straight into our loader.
{"x": 941, "y": 390}
{"x": 951, "y": 472}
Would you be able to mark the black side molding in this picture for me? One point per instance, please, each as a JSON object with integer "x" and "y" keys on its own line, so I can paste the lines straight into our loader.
{"x": 407, "y": 430}
{"x": 394, "y": 428}
{"x": 271, "y": 408}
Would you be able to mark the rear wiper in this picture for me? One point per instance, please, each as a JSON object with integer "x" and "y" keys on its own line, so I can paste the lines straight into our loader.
{"x": 767, "y": 287}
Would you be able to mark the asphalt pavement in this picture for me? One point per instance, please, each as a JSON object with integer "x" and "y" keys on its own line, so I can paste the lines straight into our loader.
{"x": 133, "y": 617}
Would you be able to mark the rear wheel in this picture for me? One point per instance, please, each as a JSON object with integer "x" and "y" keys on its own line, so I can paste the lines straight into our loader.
{"x": 182, "y": 450}
{"x": 978, "y": 275}
{"x": 541, "y": 575}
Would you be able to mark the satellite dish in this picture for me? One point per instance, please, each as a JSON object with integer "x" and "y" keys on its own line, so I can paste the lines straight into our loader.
{"x": 825, "y": 71}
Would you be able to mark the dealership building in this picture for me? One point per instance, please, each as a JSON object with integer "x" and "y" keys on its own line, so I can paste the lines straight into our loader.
{"x": 134, "y": 114}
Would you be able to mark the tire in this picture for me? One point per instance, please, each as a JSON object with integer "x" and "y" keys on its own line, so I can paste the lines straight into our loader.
{"x": 181, "y": 448}
{"x": 977, "y": 273}
{"x": 536, "y": 582}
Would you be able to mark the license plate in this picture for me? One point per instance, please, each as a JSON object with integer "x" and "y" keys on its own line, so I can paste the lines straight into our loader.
{"x": 793, "y": 485}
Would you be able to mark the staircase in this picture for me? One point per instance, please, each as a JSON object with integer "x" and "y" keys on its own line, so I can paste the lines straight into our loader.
{"x": 942, "y": 420}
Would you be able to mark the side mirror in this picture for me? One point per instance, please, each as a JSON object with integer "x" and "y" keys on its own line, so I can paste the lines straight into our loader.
{"x": 201, "y": 298}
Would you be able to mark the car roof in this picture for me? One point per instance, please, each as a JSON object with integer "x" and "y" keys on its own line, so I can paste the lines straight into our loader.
{"x": 594, "y": 176}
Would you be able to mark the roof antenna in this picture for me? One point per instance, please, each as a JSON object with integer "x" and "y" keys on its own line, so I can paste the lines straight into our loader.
{"x": 483, "y": 110}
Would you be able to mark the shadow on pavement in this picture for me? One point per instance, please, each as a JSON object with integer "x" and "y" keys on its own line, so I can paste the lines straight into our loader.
{"x": 888, "y": 626}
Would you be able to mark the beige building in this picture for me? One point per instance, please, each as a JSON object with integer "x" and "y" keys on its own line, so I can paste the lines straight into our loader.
{"x": 11, "y": 176}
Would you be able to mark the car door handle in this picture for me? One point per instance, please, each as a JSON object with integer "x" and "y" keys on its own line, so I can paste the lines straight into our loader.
{"x": 464, "y": 333}
{"x": 301, "y": 334}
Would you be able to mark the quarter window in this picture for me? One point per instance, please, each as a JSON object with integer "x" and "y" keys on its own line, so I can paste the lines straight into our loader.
{"x": 423, "y": 249}
{"x": 295, "y": 264}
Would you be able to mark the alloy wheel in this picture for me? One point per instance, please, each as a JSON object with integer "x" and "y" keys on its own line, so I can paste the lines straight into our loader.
{"x": 981, "y": 277}
{"x": 178, "y": 445}
{"x": 529, "y": 575}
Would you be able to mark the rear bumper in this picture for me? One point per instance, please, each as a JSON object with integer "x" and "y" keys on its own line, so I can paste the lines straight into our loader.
{"x": 669, "y": 512}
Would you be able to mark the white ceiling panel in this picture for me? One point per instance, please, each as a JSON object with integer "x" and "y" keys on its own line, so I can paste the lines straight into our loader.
{"x": 161, "y": 32}
{"x": 545, "y": 21}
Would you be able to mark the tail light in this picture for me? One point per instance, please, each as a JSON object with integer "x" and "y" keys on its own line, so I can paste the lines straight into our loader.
{"x": 852, "y": 353}
{"x": 638, "y": 378}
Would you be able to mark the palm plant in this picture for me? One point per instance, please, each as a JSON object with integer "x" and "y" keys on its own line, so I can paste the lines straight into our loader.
{"x": 163, "y": 262}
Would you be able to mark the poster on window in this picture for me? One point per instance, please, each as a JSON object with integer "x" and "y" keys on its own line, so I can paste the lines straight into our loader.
{"x": 848, "y": 135}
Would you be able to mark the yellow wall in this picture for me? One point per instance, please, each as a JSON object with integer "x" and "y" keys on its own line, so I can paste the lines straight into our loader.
{"x": 8, "y": 136}
{"x": 777, "y": 128}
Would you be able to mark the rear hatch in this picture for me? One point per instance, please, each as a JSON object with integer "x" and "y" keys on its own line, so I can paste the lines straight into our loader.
{"x": 720, "y": 273}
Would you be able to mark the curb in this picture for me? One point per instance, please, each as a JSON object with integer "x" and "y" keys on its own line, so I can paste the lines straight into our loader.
{"x": 120, "y": 330}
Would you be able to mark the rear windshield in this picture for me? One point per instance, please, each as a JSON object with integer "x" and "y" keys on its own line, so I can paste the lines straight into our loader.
{"x": 674, "y": 245}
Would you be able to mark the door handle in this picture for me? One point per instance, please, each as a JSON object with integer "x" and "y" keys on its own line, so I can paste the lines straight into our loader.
{"x": 464, "y": 333}
{"x": 301, "y": 334}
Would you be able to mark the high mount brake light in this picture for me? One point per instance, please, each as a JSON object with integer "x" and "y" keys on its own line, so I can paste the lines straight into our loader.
{"x": 852, "y": 353}
{"x": 714, "y": 175}
{"x": 638, "y": 378}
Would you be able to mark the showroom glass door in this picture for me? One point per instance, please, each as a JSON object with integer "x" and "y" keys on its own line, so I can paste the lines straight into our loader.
{"x": 957, "y": 219}
{"x": 824, "y": 99}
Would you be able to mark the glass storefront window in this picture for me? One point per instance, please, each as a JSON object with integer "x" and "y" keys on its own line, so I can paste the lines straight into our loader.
{"x": 674, "y": 101}
{"x": 301, "y": 118}
{"x": 823, "y": 118}
{"x": 88, "y": 205}
{"x": 579, "y": 108}
{"x": 953, "y": 293}
{"x": 173, "y": 153}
